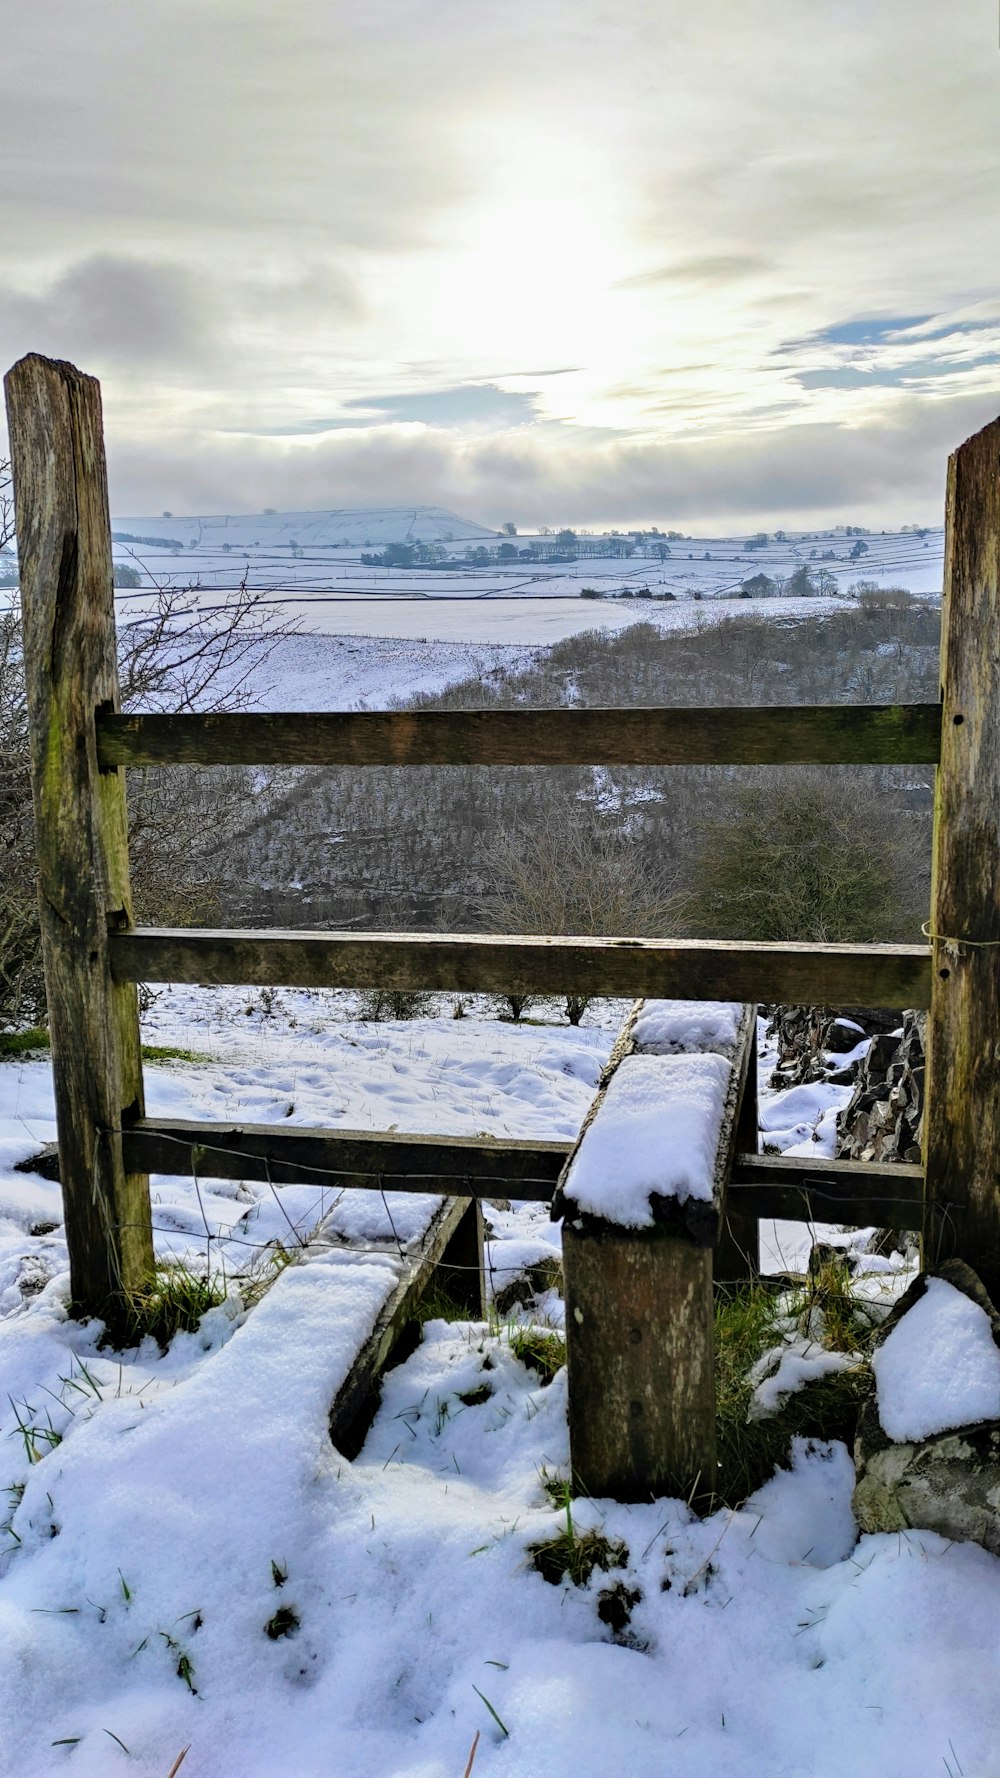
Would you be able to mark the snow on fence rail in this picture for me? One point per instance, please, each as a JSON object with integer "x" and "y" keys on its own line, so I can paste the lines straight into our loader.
{"x": 94, "y": 954}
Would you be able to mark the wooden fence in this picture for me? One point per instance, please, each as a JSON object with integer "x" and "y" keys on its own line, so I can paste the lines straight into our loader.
{"x": 94, "y": 954}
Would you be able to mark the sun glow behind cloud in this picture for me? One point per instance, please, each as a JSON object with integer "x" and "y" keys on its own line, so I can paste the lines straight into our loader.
{"x": 525, "y": 256}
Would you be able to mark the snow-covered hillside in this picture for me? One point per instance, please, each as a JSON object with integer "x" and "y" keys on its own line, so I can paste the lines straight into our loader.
{"x": 340, "y": 526}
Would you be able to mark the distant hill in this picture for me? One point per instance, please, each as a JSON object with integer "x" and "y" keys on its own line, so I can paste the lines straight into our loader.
{"x": 354, "y": 526}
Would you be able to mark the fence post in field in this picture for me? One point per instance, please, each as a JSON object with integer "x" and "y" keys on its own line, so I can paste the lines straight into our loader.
{"x": 962, "y": 1129}
{"x": 67, "y": 599}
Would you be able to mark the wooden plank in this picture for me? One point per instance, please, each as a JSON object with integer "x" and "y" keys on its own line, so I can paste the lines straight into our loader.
{"x": 823, "y": 734}
{"x": 64, "y": 545}
{"x": 461, "y": 1270}
{"x": 355, "y": 1402}
{"x": 687, "y": 969}
{"x": 463, "y": 1166}
{"x": 640, "y": 1361}
{"x": 962, "y": 1117}
{"x": 851, "y": 1192}
{"x": 794, "y": 1190}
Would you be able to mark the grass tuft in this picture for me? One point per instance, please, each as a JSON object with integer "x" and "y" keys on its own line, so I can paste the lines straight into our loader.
{"x": 474, "y": 1398}
{"x": 542, "y": 1352}
{"x": 285, "y": 1622}
{"x": 576, "y": 1555}
{"x": 178, "y": 1296}
{"x": 748, "y": 1322}
{"x": 174, "y": 1302}
{"x": 437, "y": 1305}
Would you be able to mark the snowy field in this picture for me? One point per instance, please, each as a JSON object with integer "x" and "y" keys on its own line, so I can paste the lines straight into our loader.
{"x": 188, "y": 1562}
{"x": 302, "y": 554}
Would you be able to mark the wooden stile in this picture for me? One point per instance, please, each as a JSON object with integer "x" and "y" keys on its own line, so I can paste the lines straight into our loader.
{"x": 855, "y": 1193}
{"x": 737, "y": 1251}
{"x": 64, "y": 546}
{"x": 640, "y": 1355}
{"x": 339, "y": 1159}
{"x": 639, "y": 1303}
{"x": 962, "y": 1117}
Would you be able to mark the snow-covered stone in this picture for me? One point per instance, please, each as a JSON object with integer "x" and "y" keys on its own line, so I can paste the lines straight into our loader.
{"x": 939, "y": 1367}
{"x": 928, "y": 1448}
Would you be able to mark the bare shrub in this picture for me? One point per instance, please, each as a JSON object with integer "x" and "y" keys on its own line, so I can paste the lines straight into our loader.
{"x": 376, "y": 1004}
{"x": 170, "y": 658}
{"x": 803, "y": 853}
{"x": 577, "y": 875}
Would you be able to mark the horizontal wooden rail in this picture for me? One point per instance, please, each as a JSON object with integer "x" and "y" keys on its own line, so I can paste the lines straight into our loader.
{"x": 461, "y": 1166}
{"x": 820, "y": 734}
{"x": 763, "y": 1186}
{"x": 853, "y": 1192}
{"x": 685, "y": 969}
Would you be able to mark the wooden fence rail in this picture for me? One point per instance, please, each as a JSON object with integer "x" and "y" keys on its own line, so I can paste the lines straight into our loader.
{"x": 783, "y": 734}
{"x": 682, "y": 969}
{"x": 94, "y": 954}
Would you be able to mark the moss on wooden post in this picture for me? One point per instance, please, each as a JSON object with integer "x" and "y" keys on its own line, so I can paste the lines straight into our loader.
{"x": 962, "y": 1120}
{"x": 64, "y": 547}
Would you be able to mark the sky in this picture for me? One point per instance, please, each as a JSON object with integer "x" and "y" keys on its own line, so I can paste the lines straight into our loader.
{"x": 553, "y": 261}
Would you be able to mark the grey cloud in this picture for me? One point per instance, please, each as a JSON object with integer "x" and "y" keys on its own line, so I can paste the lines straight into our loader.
{"x": 112, "y": 311}
{"x": 717, "y": 268}
{"x": 797, "y": 474}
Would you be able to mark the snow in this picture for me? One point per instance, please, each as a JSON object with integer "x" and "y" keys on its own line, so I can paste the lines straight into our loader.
{"x": 787, "y": 1368}
{"x": 177, "y": 1502}
{"x": 939, "y": 1367}
{"x": 334, "y": 672}
{"x": 669, "y": 1027}
{"x": 656, "y": 1134}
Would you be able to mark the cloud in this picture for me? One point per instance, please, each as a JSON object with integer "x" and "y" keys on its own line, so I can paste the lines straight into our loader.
{"x": 113, "y": 311}
{"x": 710, "y": 269}
{"x": 299, "y": 242}
{"x": 893, "y": 471}
{"x": 901, "y": 352}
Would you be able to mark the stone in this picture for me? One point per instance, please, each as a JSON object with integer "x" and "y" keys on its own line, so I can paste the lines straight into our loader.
{"x": 948, "y": 1483}
{"x": 884, "y": 1118}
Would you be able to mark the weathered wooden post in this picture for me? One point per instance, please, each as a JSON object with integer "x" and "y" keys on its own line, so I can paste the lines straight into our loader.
{"x": 461, "y": 1270}
{"x": 638, "y": 1271}
{"x": 962, "y": 1119}
{"x": 737, "y": 1256}
{"x": 67, "y": 601}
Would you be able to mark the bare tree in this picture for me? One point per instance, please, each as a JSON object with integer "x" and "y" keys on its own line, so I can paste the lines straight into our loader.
{"x": 6, "y": 503}
{"x": 576, "y": 874}
{"x": 171, "y": 657}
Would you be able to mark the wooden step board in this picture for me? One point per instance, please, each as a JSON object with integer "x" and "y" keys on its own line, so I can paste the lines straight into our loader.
{"x": 450, "y": 1250}
{"x": 641, "y": 1217}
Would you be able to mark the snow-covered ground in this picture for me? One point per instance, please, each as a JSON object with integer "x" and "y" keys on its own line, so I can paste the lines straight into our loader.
{"x": 304, "y": 553}
{"x": 337, "y": 672}
{"x": 188, "y": 1562}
